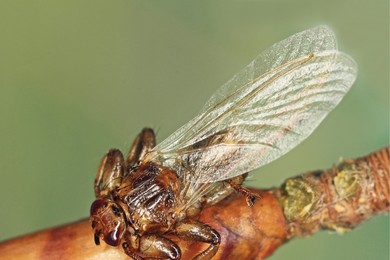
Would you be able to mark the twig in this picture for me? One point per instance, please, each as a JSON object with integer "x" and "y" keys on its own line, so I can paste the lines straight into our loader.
{"x": 339, "y": 199}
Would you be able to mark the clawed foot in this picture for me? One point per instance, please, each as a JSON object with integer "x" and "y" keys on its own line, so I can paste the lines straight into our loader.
{"x": 250, "y": 197}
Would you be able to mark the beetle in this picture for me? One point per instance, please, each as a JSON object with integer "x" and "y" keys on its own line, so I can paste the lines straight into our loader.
{"x": 264, "y": 111}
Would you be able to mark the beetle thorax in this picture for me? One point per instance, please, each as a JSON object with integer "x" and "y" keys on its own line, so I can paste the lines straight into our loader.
{"x": 150, "y": 193}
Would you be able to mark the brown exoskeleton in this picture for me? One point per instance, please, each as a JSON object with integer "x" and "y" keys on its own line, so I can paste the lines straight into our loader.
{"x": 263, "y": 112}
{"x": 138, "y": 203}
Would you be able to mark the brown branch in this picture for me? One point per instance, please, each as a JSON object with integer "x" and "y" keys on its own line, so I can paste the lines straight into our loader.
{"x": 339, "y": 199}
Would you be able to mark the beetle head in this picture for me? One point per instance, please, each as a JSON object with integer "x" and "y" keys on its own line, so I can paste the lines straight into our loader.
{"x": 108, "y": 221}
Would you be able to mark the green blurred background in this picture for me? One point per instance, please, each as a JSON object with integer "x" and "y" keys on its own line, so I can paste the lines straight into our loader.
{"x": 80, "y": 77}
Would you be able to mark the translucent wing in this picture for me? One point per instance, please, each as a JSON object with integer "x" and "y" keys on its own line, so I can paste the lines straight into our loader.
{"x": 265, "y": 110}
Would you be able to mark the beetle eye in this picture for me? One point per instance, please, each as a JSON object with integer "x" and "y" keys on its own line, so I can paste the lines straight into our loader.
{"x": 116, "y": 211}
{"x": 112, "y": 238}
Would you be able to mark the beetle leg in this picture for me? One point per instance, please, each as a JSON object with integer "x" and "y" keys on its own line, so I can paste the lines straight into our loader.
{"x": 150, "y": 247}
{"x": 142, "y": 144}
{"x": 110, "y": 173}
{"x": 236, "y": 182}
{"x": 233, "y": 184}
{"x": 223, "y": 190}
{"x": 200, "y": 232}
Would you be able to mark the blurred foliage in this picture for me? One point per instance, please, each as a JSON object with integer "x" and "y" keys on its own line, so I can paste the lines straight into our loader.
{"x": 80, "y": 77}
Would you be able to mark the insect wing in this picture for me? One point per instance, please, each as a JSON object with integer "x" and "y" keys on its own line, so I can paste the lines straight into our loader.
{"x": 264, "y": 111}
